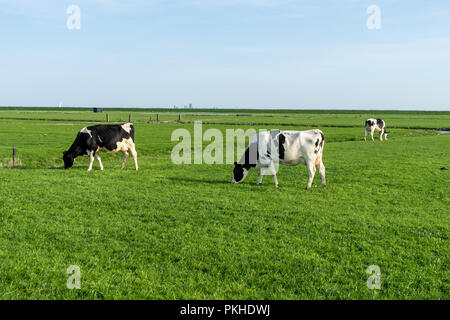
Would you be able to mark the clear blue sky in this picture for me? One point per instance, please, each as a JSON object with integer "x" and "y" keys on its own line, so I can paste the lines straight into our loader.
{"x": 226, "y": 53}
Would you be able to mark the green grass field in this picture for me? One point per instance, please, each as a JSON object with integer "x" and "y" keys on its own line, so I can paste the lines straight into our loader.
{"x": 185, "y": 232}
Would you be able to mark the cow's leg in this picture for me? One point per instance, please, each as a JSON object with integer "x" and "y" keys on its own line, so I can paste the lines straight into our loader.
{"x": 322, "y": 174}
{"x": 372, "y": 130}
{"x": 365, "y": 134}
{"x": 99, "y": 161}
{"x": 124, "y": 161}
{"x": 91, "y": 159}
{"x": 321, "y": 167}
{"x": 134, "y": 155}
{"x": 381, "y": 134}
{"x": 269, "y": 170}
{"x": 273, "y": 171}
{"x": 275, "y": 180}
{"x": 260, "y": 177}
{"x": 312, "y": 172}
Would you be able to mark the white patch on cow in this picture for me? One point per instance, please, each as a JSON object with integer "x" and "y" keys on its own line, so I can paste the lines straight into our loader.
{"x": 127, "y": 127}
{"x": 86, "y": 130}
{"x": 124, "y": 145}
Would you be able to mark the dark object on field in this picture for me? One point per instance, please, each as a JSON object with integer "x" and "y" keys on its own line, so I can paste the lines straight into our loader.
{"x": 243, "y": 115}
{"x": 97, "y": 110}
{"x": 14, "y": 157}
{"x": 179, "y": 117}
{"x": 444, "y": 168}
{"x": 107, "y": 117}
{"x": 129, "y": 117}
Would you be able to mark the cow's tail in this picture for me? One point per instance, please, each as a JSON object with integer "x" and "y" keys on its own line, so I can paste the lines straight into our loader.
{"x": 319, "y": 143}
{"x": 322, "y": 141}
{"x": 319, "y": 148}
{"x": 132, "y": 131}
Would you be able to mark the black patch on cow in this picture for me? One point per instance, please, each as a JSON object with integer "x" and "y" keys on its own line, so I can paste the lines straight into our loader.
{"x": 369, "y": 123}
{"x": 281, "y": 150}
{"x": 68, "y": 160}
{"x": 107, "y": 136}
{"x": 380, "y": 123}
{"x": 249, "y": 162}
{"x": 238, "y": 172}
{"x": 251, "y": 156}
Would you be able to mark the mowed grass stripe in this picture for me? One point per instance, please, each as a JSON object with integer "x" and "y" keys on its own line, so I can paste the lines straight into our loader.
{"x": 394, "y": 119}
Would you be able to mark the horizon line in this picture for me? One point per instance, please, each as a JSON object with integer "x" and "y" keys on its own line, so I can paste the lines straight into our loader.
{"x": 443, "y": 109}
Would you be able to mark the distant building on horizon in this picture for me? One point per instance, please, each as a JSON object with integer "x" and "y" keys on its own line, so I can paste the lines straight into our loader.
{"x": 184, "y": 107}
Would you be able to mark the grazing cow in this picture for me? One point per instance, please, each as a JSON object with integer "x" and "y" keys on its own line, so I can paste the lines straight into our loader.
{"x": 377, "y": 125}
{"x": 285, "y": 147}
{"x": 107, "y": 138}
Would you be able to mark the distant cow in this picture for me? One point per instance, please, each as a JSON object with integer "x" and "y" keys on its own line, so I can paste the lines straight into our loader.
{"x": 377, "y": 125}
{"x": 288, "y": 148}
{"x": 107, "y": 138}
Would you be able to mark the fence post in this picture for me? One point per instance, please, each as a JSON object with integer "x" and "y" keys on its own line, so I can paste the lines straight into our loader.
{"x": 179, "y": 117}
{"x": 107, "y": 117}
{"x": 157, "y": 117}
{"x": 129, "y": 118}
{"x": 14, "y": 157}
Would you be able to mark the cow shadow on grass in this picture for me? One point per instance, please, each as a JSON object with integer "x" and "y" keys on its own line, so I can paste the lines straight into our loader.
{"x": 197, "y": 180}
{"x": 36, "y": 168}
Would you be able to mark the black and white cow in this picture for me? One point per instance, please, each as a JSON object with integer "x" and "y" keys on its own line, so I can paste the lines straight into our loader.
{"x": 107, "y": 138}
{"x": 285, "y": 147}
{"x": 377, "y": 125}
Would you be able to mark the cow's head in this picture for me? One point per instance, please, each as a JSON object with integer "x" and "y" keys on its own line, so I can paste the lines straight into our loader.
{"x": 239, "y": 173}
{"x": 68, "y": 160}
